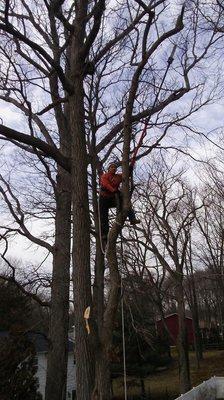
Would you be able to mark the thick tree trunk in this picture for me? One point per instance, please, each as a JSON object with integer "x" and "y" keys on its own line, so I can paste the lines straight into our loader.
{"x": 197, "y": 336}
{"x": 184, "y": 370}
{"x": 197, "y": 331}
{"x": 81, "y": 230}
{"x": 58, "y": 352}
{"x": 102, "y": 389}
{"x": 195, "y": 317}
{"x": 106, "y": 335}
{"x": 81, "y": 250}
{"x": 102, "y": 385}
{"x": 98, "y": 287}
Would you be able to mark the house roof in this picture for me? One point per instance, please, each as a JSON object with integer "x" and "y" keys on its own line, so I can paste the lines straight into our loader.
{"x": 39, "y": 340}
{"x": 171, "y": 315}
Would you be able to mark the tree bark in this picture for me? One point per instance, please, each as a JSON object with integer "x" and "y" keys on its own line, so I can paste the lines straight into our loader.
{"x": 184, "y": 369}
{"x": 58, "y": 351}
{"x": 102, "y": 389}
{"x": 59, "y": 321}
{"x": 98, "y": 287}
{"x": 81, "y": 248}
{"x": 81, "y": 227}
{"x": 106, "y": 336}
{"x": 195, "y": 317}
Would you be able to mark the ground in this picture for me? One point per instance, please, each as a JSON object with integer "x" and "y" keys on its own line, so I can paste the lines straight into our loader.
{"x": 163, "y": 385}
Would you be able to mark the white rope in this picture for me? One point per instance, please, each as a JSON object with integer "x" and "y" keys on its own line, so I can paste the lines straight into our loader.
{"x": 123, "y": 345}
{"x": 123, "y": 326}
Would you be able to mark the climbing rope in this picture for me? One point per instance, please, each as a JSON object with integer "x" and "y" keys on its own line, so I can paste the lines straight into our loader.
{"x": 123, "y": 342}
{"x": 123, "y": 322}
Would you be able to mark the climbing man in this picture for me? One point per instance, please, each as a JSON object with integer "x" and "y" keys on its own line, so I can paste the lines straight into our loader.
{"x": 111, "y": 197}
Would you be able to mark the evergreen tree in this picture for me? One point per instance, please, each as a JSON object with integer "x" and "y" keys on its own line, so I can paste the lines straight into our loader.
{"x": 15, "y": 308}
{"x": 17, "y": 369}
{"x": 17, "y": 352}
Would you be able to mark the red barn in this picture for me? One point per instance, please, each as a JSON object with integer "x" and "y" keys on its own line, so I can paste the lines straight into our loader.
{"x": 173, "y": 327}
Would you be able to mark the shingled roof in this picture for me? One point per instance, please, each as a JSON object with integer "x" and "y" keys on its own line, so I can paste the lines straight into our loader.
{"x": 39, "y": 340}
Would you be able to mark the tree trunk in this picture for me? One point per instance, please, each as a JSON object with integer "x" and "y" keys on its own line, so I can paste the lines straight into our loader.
{"x": 195, "y": 316}
{"x": 184, "y": 370}
{"x": 102, "y": 389}
{"x": 81, "y": 234}
{"x": 197, "y": 338}
{"x": 197, "y": 332}
{"x": 81, "y": 250}
{"x": 106, "y": 335}
{"x": 98, "y": 288}
{"x": 58, "y": 351}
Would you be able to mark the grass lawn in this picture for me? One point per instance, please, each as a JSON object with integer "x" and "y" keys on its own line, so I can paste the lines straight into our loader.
{"x": 164, "y": 385}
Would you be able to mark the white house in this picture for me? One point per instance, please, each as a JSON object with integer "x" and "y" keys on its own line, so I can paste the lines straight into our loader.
{"x": 41, "y": 350}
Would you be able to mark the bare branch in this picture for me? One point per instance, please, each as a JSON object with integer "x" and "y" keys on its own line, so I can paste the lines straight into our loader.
{"x": 48, "y": 150}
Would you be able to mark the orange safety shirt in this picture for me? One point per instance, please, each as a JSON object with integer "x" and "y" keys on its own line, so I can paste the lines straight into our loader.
{"x": 109, "y": 184}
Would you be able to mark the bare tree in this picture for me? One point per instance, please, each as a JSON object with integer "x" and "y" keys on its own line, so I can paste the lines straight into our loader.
{"x": 170, "y": 209}
{"x": 191, "y": 294}
{"x": 210, "y": 224}
{"x": 74, "y": 56}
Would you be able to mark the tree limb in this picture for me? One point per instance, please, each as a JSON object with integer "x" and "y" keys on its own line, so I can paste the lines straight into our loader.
{"x": 48, "y": 150}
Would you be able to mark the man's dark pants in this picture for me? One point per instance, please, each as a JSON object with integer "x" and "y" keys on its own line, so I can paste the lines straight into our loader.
{"x": 105, "y": 203}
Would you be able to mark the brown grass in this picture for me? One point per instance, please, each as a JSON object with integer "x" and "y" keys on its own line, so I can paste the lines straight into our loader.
{"x": 164, "y": 385}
